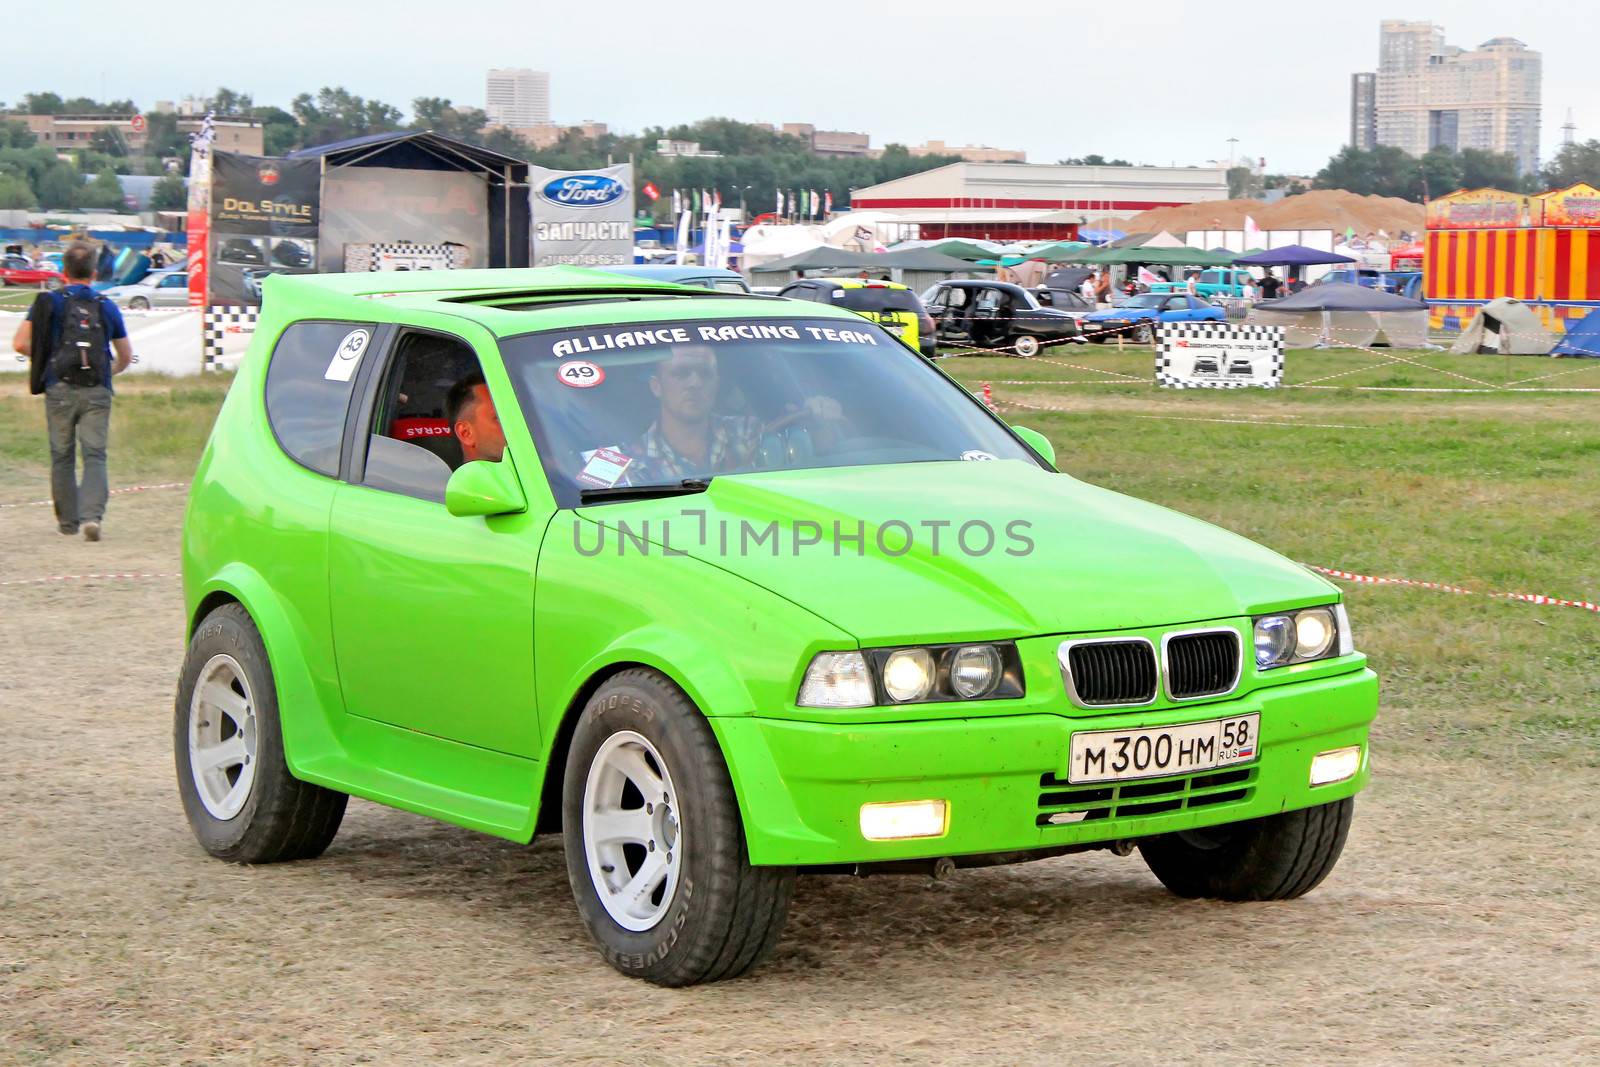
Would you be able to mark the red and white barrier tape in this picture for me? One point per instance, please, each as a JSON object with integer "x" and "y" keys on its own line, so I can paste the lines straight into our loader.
{"x": 114, "y": 492}
{"x": 88, "y": 578}
{"x": 1527, "y": 598}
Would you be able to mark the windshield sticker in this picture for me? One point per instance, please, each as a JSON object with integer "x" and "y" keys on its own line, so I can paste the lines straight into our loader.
{"x": 977, "y": 454}
{"x": 580, "y": 374}
{"x": 347, "y": 357}
{"x": 604, "y": 468}
{"x": 710, "y": 334}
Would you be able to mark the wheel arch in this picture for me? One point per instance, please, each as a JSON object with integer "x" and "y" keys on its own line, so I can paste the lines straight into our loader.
{"x": 308, "y": 729}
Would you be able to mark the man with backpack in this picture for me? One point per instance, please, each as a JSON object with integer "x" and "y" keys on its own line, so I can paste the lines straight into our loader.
{"x": 70, "y": 336}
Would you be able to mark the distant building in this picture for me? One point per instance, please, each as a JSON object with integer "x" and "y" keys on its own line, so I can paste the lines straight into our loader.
{"x": 970, "y": 153}
{"x": 1025, "y": 201}
{"x": 835, "y": 143}
{"x": 547, "y": 134}
{"x": 67, "y": 133}
{"x": 517, "y": 97}
{"x": 1364, "y": 111}
{"x": 667, "y": 147}
{"x": 1428, "y": 93}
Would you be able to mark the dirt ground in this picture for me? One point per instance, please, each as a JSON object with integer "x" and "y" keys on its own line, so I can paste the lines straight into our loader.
{"x": 1461, "y": 926}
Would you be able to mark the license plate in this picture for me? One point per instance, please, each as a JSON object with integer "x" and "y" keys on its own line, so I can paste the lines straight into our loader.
{"x": 1116, "y": 755}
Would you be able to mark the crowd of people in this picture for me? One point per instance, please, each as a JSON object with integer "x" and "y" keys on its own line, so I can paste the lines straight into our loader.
{"x": 1098, "y": 287}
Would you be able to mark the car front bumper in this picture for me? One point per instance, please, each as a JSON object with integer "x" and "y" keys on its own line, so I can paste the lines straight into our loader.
{"x": 801, "y": 785}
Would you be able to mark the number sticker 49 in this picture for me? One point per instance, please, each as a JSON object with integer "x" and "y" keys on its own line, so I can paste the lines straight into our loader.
{"x": 580, "y": 374}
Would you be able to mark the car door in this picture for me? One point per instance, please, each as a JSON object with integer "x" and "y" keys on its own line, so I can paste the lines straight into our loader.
{"x": 171, "y": 291}
{"x": 1175, "y": 309}
{"x": 432, "y": 613}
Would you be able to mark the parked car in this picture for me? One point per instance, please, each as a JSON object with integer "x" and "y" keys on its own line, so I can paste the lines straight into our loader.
{"x": 20, "y": 270}
{"x": 1069, "y": 302}
{"x": 724, "y": 281}
{"x": 1139, "y": 315}
{"x": 1215, "y": 281}
{"x": 889, "y": 304}
{"x": 559, "y": 623}
{"x": 999, "y": 315}
{"x": 1367, "y": 276}
{"x": 160, "y": 288}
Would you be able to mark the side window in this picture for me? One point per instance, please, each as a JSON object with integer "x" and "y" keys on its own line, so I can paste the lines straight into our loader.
{"x": 796, "y": 292}
{"x": 308, "y": 389}
{"x": 989, "y": 300}
{"x": 175, "y": 281}
{"x": 957, "y": 296}
{"x": 1178, "y": 303}
{"x": 413, "y": 447}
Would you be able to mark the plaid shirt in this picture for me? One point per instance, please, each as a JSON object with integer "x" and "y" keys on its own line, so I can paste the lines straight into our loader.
{"x": 734, "y": 440}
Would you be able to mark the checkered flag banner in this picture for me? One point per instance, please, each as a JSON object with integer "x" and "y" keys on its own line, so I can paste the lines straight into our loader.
{"x": 226, "y": 331}
{"x": 1219, "y": 355}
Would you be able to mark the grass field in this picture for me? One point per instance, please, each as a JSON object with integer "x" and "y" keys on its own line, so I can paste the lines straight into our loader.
{"x": 16, "y": 298}
{"x": 1459, "y": 927}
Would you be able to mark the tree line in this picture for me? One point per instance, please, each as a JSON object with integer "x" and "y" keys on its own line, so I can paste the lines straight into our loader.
{"x": 1389, "y": 171}
{"x": 751, "y": 163}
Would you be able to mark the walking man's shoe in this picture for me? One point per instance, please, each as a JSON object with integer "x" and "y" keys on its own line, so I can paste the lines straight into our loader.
{"x": 91, "y": 531}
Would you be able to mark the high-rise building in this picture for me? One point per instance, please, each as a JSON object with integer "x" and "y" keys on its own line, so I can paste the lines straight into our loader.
{"x": 1364, "y": 111}
{"x": 516, "y": 96}
{"x": 1428, "y": 93}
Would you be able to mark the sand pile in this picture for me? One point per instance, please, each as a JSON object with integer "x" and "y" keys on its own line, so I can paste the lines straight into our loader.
{"x": 1320, "y": 209}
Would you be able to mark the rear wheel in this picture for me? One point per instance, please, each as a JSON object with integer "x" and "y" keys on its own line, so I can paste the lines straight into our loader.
{"x": 655, "y": 847}
{"x": 1275, "y": 858}
{"x": 241, "y": 800}
{"x": 1027, "y": 346}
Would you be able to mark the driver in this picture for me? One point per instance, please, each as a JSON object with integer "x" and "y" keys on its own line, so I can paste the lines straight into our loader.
{"x": 474, "y": 421}
{"x": 687, "y": 440}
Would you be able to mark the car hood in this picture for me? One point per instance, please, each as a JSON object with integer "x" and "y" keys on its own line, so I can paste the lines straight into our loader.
{"x": 1066, "y": 557}
{"x": 1123, "y": 313}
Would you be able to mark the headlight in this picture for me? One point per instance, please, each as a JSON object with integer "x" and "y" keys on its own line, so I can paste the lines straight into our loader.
{"x": 837, "y": 680}
{"x": 974, "y": 670}
{"x": 1301, "y": 636}
{"x": 908, "y": 674}
{"x": 883, "y": 676}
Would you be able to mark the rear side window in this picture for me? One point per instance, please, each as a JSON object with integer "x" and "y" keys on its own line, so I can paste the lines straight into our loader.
{"x": 309, "y": 383}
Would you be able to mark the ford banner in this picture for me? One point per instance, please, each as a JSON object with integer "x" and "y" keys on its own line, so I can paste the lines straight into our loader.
{"x": 582, "y": 217}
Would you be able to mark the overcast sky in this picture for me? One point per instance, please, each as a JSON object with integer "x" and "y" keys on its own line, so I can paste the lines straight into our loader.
{"x": 1152, "y": 81}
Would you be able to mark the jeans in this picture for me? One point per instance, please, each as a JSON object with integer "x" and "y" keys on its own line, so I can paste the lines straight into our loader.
{"x": 79, "y": 417}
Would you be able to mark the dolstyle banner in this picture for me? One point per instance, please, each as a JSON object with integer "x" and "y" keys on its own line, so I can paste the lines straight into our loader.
{"x": 582, "y": 218}
{"x": 264, "y": 218}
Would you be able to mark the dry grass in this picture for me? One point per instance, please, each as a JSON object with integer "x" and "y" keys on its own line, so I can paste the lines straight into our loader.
{"x": 1461, "y": 926}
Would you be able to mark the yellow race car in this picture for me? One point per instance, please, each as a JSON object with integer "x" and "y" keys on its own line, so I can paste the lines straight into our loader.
{"x": 889, "y": 304}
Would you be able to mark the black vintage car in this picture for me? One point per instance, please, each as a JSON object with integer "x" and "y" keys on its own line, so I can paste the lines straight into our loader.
{"x": 998, "y": 315}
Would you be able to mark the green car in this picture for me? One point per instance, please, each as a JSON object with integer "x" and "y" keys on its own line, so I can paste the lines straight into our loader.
{"x": 722, "y": 589}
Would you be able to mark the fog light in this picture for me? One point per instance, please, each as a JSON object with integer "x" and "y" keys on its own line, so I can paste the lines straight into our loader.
{"x": 910, "y": 818}
{"x": 1335, "y": 766}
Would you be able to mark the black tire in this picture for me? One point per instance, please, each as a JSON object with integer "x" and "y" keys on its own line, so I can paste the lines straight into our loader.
{"x": 1279, "y": 857}
{"x": 282, "y": 818}
{"x": 1144, "y": 334}
{"x": 725, "y": 916}
{"x": 139, "y": 303}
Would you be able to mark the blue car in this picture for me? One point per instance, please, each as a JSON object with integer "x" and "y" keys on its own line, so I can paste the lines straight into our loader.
{"x": 1139, "y": 315}
{"x": 715, "y": 278}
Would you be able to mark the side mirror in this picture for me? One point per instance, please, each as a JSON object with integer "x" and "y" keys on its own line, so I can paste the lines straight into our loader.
{"x": 484, "y": 488}
{"x": 1038, "y": 442}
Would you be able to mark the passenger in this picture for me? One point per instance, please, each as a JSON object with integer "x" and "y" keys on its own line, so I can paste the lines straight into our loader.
{"x": 687, "y": 439}
{"x": 474, "y": 420}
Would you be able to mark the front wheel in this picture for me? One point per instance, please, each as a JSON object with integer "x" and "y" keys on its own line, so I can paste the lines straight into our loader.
{"x": 1144, "y": 334}
{"x": 52, "y": 284}
{"x": 1027, "y": 346}
{"x": 138, "y": 303}
{"x": 655, "y": 846}
{"x": 241, "y": 800}
{"x": 1278, "y": 857}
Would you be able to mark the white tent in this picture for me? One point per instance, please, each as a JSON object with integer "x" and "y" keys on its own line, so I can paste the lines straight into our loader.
{"x": 1505, "y": 326}
{"x": 1332, "y": 314}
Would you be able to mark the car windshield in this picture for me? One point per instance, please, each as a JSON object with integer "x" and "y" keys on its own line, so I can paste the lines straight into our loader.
{"x": 662, "y": 403}
{"x": 1145, "y": 300}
